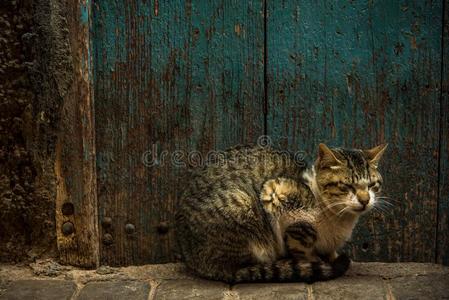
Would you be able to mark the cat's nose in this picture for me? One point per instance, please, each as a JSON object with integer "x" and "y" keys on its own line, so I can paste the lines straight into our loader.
{"x": 363, "y": 197}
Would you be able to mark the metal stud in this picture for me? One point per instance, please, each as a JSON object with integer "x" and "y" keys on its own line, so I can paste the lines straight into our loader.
{"x": 162, "y": 228}
{"x": 68, "y": 209}
{"x": 68, "y": 228}
{"x": 106, "y": 222}
{"x": 130, "y": 228}
{"x": 365, "y": 246}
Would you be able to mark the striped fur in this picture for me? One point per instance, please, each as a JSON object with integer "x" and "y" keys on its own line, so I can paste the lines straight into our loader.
{"x": 258, "y": 216}
{"x": 293, "y": 270}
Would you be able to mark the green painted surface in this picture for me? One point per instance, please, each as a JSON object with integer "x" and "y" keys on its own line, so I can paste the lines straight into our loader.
{"x": 189, "y": 75}
{"x": 169, "y": 76}
{"x": 355, "y": 74}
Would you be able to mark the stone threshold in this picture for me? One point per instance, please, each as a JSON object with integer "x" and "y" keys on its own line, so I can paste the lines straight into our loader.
{"x": 46, "y": 279}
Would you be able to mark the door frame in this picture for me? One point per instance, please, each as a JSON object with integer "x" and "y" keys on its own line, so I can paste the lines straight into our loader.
{"x": 75, "y": 167}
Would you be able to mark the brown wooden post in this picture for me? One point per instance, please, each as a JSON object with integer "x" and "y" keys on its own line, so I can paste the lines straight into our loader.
{"x": 76, "y": 200}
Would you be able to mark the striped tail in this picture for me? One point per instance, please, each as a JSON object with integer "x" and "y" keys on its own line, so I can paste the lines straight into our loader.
{"x": 290, "y": 270}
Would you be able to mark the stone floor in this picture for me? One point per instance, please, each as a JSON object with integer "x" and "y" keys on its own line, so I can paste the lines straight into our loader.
{"x": 48, "y": 280}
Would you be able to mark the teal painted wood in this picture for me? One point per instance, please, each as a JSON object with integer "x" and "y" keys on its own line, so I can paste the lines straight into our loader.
{"x": 169, "y": 75}
{"x": 442, "y": 252}
{"x": 358, "y": 73}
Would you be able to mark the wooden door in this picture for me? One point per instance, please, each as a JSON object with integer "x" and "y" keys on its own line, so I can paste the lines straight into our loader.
{"x": 173, "y": 78}
{"x": 359, "y": 73}
{"x": 170, "y": 76}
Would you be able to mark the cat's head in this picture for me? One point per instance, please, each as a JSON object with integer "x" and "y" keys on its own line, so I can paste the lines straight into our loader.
{"x": 348, "y": 179}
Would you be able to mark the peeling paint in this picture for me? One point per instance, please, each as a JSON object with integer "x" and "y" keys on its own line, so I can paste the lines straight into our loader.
{"x": 84, "y": 12}
{"x": 364, "y": 73}
{"x": 176, "y": 78}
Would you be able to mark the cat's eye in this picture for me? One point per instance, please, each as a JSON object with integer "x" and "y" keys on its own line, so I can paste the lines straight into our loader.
{"x": 346, "y": 187}
{"x": 343, "y": 188}
{"x": 374, "y": 186}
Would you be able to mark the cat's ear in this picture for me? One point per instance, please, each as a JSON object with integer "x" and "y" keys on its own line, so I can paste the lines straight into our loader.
{"x": 374, "y": 154}
{"x": 327, "y": 158}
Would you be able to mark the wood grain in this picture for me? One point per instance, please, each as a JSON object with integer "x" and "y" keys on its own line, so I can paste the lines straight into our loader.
{"x": 442, "y": 250}
{"x": 169, "y": 76}
{"x": 355, "y": 74}
{"x": 75, "y": 152}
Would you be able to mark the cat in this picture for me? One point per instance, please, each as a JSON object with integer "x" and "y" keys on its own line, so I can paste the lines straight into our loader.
{"x": 259, "y": 216}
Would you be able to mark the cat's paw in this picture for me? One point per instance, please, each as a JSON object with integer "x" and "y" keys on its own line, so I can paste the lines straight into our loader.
{"x": 274, "y": 192}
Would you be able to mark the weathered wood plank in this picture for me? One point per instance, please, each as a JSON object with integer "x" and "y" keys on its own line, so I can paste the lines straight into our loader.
{"x": 169, "y": 75}
{"x": 442, "y": 253}
{"x": 76, "y": 202}
{"x": 357, "y": 73}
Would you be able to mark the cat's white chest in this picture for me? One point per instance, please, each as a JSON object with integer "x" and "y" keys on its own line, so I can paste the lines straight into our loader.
{"x": 331, "y": 240}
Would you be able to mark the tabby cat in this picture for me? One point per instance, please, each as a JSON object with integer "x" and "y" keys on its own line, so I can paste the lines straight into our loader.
{"x": 259, "y": 216}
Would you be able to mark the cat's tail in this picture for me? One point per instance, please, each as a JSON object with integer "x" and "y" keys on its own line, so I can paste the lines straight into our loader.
{"x": 290, "y": 270}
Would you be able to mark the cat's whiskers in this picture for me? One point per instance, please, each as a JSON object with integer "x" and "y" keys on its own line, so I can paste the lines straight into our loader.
{"x": 328, "y": 207}
{"x": 387, "y": 199}
{"x": 383, "y": 211}
{"x": 340, "y": 213}
{"x": 384, "y": 203}
{"x": 379, "y": 207}
{"x": 325, "y": 209}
